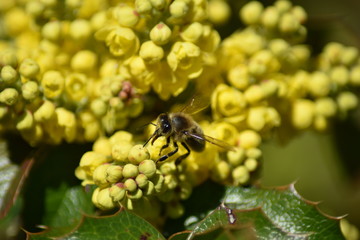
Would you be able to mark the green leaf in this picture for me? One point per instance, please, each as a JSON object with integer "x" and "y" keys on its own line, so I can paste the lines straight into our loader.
{"x": 122, "y": 225}
{"x": 12, "y": 179}
{"x": 257, "y": 213}
{"x": 65, "y": 208}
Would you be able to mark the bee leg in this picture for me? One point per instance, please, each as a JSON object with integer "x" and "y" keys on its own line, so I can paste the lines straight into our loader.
{"x": 165, "y": 146}
{"x": 163, "y": 158}
{"x": 182, "y": 157}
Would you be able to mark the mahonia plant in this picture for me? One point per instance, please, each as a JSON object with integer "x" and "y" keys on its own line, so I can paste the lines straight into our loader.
{"x": 79, "y": 71}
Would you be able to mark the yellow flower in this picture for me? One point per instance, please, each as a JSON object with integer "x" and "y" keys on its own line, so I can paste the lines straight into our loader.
{"x": 67, "y": 121}
{"x": 150, "y": 52}
{"x": 53, "y": 84}
{"x": 122, "y": 42}
{"x": 227, "y": 101}
{"x": 160, "y": 34}
{"x": 167, "y": 82}
{"x": 76, "y": 85}
{"x": 185, "y": 59}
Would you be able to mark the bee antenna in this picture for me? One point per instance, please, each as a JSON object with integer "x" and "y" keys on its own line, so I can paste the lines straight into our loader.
{"x": 152, "y": 135}
{"x": 143, "y": 126}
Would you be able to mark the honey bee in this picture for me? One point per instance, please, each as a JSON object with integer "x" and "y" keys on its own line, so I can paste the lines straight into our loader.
{"x": 180, "y": 127}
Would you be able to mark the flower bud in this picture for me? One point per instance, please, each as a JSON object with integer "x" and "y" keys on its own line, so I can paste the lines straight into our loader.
{"x": 158, "y": 4}
{"x": 120, "y": 137}
{"x": 325, "y": 107}
{"x": 347, "y": 101}
{"x": 84, "y": 61}
{"x": 117, "y": 192}
{"x": 249, "y": 139}
{"x": 302, "y": 113}
{"x": 114, "y": 173}
{"x": 25, "y": 122}
{"x": 251, "y": 12}
{"x": 8, "y": 74}
{"x": 321, "y": 123}
{"x": 30, "y": 90}
{"x": 193, "y": 32}
{"x": 104, "y": 201}
{"x": 355, "y": 76}
{"x": 150, "y": 52}
{"x": 126, "y": 16}
{"x": 256, "y": 118}
{"x": 29, "y": 68}
{"x": 120, "y": 151}
{"x": 143, "y": 6}
{"x": 179, "y": 8}
{"x": 91, "y": 160}
{"x": 239, "y": 77}
{"x": 270, "y": 17}
{"x": 221, "y": 171}
{"x": 138, "y": 153}
{"x": 52, "y": 30}
{"x": 130, "y": 185}
{"x": 142, "y": 180}
{"x": 254, "y": 94}
{"x": 299, "y": 13}
{"x": 288, "y": 23}
{"x": 99, "y": 175}
{"x": 130, "y": 171}
{"x": 9, "y": 96}
{"x": 80, "y": 29}
{"x": 339, "y": 75}
{"x": 319, "y": 84}
{"x": 160, "y": 34}
{"x": 148, "y": 168}
{"x": 253, "y": 153}
{"x": 174, "y": 210}
{"x": 45, "y": 112}
{"x": 218, "y": 11}
{"x": 251, "y": 164}
{"x": 8, "y": 57}
{"x": 240, "y": 175}
{"x": 235, "y": 158}
{"x": 349, "y": 56}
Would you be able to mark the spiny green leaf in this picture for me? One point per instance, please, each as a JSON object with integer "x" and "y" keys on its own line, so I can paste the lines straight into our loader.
{"x": 258, "y": 213}
{"x": 122, "y": 225}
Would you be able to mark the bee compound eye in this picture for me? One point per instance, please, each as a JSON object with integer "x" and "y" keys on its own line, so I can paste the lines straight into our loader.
{"x": 166, "y": 128}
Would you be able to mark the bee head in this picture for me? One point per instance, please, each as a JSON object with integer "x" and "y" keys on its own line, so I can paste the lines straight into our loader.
{"x": 164, "y": 124}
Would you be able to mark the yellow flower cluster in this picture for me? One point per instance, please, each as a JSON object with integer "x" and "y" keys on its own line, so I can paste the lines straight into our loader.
{"x": 94, "y": 59}
{"x": 160, "y": 44}
{"x": 268, "y": 85}
{"x": 126, "y": 175}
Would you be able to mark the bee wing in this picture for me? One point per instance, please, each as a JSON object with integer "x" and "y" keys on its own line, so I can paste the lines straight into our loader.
{"x": 195, "y": 105}
{"x": 212, "y": 140}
